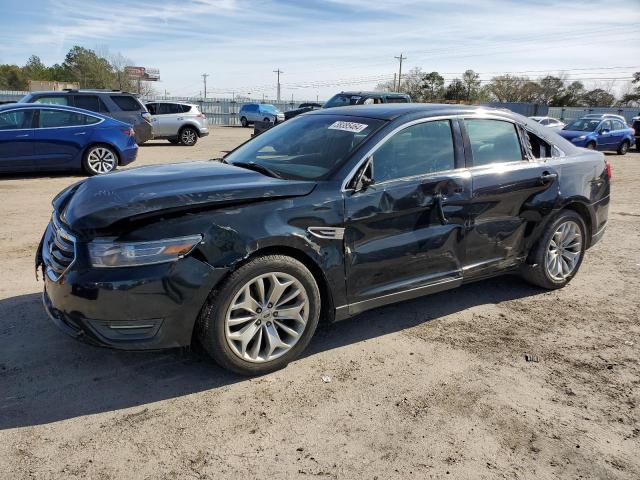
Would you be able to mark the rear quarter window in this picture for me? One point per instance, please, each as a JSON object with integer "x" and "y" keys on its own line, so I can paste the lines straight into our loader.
{"x": 126, "y": 103}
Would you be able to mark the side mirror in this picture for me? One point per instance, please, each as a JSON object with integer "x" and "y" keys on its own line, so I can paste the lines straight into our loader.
{"x": 604, "y": 130}
{"x": 365, "y": 178}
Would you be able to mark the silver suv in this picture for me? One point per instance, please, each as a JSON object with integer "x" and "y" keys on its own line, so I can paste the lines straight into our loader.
{"x": 259, "y": 112}
{"x": 178, "y": 122}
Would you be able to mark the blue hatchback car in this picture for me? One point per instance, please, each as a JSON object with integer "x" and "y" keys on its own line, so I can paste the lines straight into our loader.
{"x": 600, "y": 134}
{"x": 36, "y": 137}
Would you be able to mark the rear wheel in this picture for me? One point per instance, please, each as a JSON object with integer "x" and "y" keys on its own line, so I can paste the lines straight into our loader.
{"x": 99, "y": 159}
{"x": 263, "y": 316}
{"x": 244, "y": 122}
{"x": 188, "y": 136}
{"x": 591, "y": 145}
{"x": 558, "y": 255}
{"x": 623, "y": 148}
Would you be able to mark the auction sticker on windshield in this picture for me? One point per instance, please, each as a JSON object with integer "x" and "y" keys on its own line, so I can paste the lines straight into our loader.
{"x": 348, "y": 126}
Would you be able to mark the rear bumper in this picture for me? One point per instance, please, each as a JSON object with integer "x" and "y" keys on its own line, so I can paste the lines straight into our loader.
{"x": 144, "y": 132}
{"x": 141, "y": 308}
{"x": 129, "y": 155}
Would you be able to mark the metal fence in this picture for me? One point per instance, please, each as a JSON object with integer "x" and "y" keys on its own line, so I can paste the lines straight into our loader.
{"x": 567, "y": 114}
{"x": 224, "y": 111}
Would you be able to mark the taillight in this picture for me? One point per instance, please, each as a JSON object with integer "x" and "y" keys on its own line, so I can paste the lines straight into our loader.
{"x": 607, "y": 165}
{"x": 200, "y": 115}
{"x": 129, "y": 132}
{"x": 147, "y": 117}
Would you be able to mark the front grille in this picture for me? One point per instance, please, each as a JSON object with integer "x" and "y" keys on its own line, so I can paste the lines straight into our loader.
{"x": 60, "y": 250}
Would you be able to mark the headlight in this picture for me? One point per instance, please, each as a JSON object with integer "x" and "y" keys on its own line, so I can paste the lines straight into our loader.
{"x": 107, "y": 253}
{"x": 581, "y": 137}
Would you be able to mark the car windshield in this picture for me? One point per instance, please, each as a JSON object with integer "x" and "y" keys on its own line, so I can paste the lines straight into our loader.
{"x": 306, "y": 147}
{"x": 269, "y": 108}
{"x": 583, "y": 125}
{"x": 342, "y": 100}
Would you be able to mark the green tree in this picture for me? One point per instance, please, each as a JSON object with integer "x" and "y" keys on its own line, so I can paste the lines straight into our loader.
{"x": 88, "y": 69}
{"x": 508, "y": 88}
{"x": 598, "y": 98}
{"x": 632, "y": 97}
{"x": 34, "y": 69}
{"x": 12, "y": 78}
{"x": 432, "y": 87}
{"x": 471, "y": 81}
{"x": 456, "y": 91}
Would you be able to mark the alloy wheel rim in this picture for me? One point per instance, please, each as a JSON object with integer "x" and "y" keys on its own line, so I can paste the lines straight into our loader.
{"x": 267, "y": 317}
{"x": 564, "y": 251}
{"x": 625, "y": 147}
{"x": 101, "y": 160}
{"x": 188, "y": 136}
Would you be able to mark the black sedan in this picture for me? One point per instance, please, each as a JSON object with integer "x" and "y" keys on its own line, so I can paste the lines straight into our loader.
{"x": 325, "y": 216}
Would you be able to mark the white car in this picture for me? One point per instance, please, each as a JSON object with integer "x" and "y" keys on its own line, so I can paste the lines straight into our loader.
{"x": 549, "y": 122}
{"x": 178, "y": 122}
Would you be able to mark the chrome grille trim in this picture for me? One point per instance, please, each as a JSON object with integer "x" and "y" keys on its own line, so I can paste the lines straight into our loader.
{"x": 59, "y": 250}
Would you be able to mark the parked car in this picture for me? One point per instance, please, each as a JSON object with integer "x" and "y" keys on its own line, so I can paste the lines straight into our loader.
{"x": 549, "y": 122}
{"x": 327, "y": 215}
{"x": 302, "y": 108}
{"x": 178, "y": 122}
{"x": 600, "y": 134}
{"x": 343, "y": 99}
{"x": 635, "y": 124}
{"x": 250, "y": 113}
{"x": 120, "y": 105}
{"x": 54, "y": 137}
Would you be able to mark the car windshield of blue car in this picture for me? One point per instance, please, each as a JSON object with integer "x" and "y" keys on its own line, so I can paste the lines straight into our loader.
{"x": 583, "y": 125}
{"x": 269, "y": 108}
{"x": 308, "y": 147}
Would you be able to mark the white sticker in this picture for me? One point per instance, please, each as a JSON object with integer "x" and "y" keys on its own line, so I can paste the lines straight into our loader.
{"x": 348, "y": 126}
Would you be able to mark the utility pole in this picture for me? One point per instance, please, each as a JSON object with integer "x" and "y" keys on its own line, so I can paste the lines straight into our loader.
{"x": 395, "y": 80}
{"x": 278, "y": 71}
{"x": 401, "y": 58}
{"x": 204, "y": 77}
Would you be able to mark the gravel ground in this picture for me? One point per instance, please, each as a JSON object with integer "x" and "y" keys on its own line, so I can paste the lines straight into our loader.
{"x": 432, "y": 388}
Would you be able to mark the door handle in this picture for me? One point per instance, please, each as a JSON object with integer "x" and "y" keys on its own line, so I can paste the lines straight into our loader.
{"x": 24, "y": 135}
{"x": 547, "y": 177}
{"x": 438, "y": 201}
{"x": 80, "y": 133}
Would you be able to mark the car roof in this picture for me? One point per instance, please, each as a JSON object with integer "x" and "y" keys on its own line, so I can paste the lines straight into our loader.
{"x": 81, "y": 91}
{"x": 39, "y": 106}
{"x": 393, "y": 94}
{"x": 391, "y": 111}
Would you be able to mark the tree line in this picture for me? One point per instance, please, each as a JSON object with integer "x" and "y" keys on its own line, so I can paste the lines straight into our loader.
{"x": 86, "y": 67}
{"x": 555, "y": 91}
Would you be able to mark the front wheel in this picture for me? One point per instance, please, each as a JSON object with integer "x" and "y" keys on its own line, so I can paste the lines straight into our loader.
{"x": 99, "y": 159}
{"x": 623, "y": 148}
{"x": 244, "y": 122}
{"x": 558, "y": 255}
{"x": 591, "y": 145}
{"x": 262, "y": 317}
{"x": 188, "y": 136}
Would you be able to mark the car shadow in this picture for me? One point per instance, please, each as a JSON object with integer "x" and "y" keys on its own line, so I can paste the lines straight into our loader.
{"x": 46, "y": 376}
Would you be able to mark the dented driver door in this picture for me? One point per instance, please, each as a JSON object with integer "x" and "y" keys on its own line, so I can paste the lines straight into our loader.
{"x": 404, "y": 234}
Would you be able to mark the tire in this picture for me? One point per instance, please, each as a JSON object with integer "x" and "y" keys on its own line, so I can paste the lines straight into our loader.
{"x": 99, "y": 159}
{"x": 173, "y": 141}
{"x": 591, "y": 145}
{"x": 188, "y": 136}
{"x": 244, "y": 122}
{"x": 623, "y": 148}
{"x": 220, "y": 338}
{"x": 540, "y": 271}
{"x": 266, "y": 120}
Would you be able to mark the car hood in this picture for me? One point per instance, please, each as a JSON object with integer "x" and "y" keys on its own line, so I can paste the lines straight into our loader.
{"x": 569, "y": 134}
{"x": 101, "y": 201}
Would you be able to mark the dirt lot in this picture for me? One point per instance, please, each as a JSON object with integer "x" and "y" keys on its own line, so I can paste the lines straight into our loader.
{"x": 433, "y": 388}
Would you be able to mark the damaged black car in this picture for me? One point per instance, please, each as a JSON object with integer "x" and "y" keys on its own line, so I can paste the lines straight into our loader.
{"x": 322, "y": 217}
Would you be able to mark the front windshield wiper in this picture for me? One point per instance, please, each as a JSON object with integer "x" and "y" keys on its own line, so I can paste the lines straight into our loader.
{"x": 258, "y": 168}
{"x": 219, "y": 159}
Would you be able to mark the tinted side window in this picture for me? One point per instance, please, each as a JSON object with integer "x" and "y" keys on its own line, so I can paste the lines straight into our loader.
{"x": 606, "y": 125}
{"x": 185, "y": 108}
{"x": 59, "y": 118}
{"x": 618, "y": 125}
{"x": 545, "y": 121}
{"x": 18, "y": 119}
{"x": 493, "y": 141}
{"x": 397, "y": 100}
{"x": 416, "y": 150}
{"x": 152, "y": 108}
{"x": 126, "y": 103}
{"x": 53, "y": 100}
{"x": 90, "y": 102}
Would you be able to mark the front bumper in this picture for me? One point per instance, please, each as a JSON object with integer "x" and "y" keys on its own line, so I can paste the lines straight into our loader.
{"x": 132, "y": 308}
{"x": 203, "y": 132}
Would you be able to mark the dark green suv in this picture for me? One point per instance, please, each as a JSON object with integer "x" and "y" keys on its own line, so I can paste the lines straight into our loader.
{"x": 343, "y": 99}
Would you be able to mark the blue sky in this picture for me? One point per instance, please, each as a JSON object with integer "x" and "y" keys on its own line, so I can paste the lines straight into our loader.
{"x": 327, "y": 46}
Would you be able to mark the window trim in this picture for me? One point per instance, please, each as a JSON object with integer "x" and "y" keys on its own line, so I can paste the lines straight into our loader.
{"x": 354, "y": 171}
{"x": 100, "y": 120}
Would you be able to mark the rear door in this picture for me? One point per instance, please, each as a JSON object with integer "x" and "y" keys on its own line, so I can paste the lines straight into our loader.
{"x": 618, "y": 133}
{"x": 90, "y": 102}
{"x": 405, "y": 233}
{"x": 165, "y": 122}
{"x": 60, "y": 138}
{"x": 16, "y": 140}
{"x": 509, "y": 189}
{"x": 606, "y": 135}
